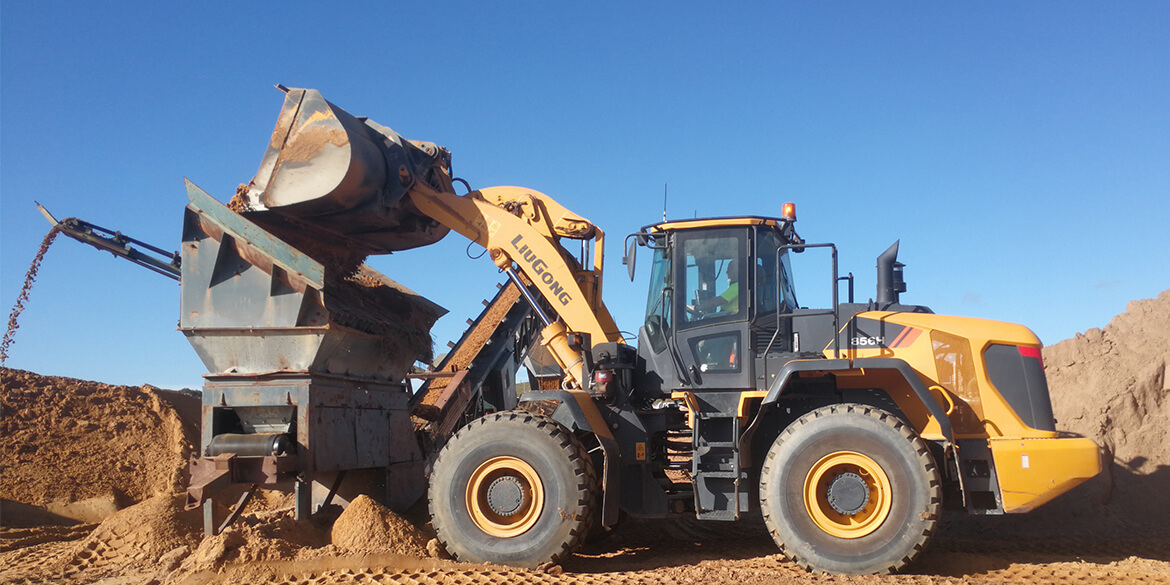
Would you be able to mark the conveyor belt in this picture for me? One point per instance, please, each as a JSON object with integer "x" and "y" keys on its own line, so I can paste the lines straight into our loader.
{"x": 485, "y": 347}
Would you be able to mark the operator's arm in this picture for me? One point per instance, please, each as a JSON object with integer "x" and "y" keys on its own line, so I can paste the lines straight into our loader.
{"x": 728, "y": 302}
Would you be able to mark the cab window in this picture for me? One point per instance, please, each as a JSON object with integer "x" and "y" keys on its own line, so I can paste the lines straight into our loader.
{"x": 711, "y": 273}
{"x": 772, "y": 277}
{"x": 657, "y": 306}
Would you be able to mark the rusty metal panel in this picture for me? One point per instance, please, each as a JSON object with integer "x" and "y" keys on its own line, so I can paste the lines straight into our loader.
{"x": 372, "y": 430}
{"x": 252, "y": 304}
{"x": 341, "y": 424}
{"x": 334, "y": 444}
{"x": 314, "y": 149}
{"x": 284, "y": 255}
{"x": 228, "y": 351}
{"x": 402, "y": 440}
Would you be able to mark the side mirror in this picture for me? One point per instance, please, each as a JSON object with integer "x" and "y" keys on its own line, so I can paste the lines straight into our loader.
{"x": 631, "y": 256}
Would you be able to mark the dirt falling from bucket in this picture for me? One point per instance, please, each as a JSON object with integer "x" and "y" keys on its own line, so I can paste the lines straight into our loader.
{"x": 29, "y": 278}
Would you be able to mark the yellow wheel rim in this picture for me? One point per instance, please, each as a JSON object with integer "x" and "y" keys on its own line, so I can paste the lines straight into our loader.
{"x": 504, "y": 497}
{"x": 847, "y": 469}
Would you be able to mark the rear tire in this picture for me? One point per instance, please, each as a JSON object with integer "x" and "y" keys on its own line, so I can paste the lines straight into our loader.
{"x": 850, "y": 489}
{"x": 513, "y": 488}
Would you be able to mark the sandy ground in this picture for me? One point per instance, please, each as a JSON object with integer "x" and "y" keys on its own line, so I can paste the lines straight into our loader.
{"x": 91, "y": 472}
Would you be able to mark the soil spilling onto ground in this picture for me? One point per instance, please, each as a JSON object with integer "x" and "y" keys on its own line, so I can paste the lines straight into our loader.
{"x": 29, "y": 278}
{"x": 122, "y": 449}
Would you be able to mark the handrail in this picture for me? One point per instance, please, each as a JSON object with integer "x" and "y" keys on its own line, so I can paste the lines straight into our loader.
{"x": 835, "y": 311}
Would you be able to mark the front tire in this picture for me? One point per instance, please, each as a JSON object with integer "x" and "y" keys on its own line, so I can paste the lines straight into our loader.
{"x": 513, "y": 488}
{"x": 850, "y": 489}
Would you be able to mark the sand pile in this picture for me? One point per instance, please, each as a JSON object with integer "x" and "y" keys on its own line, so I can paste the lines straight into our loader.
{"x": 260, "y": 543}
{"x": 367, "y": 527}
{"x": 1111, "y": 385}
{"x": 135, "y": 540}
{"x": 92, "y": 447}
{"x": 255, "y": 538}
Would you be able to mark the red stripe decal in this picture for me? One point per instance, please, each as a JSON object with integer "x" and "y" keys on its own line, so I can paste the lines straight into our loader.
{"x": 907, "y": 337}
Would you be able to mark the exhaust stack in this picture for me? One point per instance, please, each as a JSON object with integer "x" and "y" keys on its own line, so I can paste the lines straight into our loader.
{"x": 890, "y": 280}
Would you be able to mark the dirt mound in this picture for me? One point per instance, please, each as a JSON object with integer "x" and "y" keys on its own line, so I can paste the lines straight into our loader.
{"x": 1111, "y": 384}
{"x": 132, "y": 540}
{"x": 367, "y": 527}
{"x": 258, "y": 538}
{"x": 65, "y": 441}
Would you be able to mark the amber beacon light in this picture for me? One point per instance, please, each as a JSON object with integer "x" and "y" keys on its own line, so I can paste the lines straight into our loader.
{"x": 788, "y": 211}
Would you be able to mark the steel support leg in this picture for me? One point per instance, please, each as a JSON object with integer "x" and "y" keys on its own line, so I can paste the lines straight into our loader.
{"x": 303, "y": 492}
{"x": 209, "y": 526}
{"x": 333, "y": 489}
{"x": 238, "y": 509}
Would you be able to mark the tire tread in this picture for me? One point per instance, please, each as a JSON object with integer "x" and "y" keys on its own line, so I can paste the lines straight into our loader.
{"x": 574, "y": 452}
{"x": 922, "y": 453}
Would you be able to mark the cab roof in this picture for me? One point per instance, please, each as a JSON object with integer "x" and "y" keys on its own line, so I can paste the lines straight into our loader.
{"x": 707, "y": 222}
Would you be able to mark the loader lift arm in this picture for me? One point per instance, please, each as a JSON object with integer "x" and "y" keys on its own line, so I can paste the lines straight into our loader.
{"x": 522, "y": 227}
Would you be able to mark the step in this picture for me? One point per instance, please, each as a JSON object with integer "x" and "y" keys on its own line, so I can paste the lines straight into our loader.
{"x": 721, "y": 515}
{"x": 719, "y": 475}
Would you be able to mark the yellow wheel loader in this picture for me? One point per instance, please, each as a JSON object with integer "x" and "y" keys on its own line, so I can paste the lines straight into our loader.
{"x": 848, "y": 427}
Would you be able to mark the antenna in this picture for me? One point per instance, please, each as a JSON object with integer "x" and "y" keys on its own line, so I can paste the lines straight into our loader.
{"x": 664, "y": 191}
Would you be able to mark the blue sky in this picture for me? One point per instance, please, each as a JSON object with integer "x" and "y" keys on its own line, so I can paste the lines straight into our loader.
{"x": 1019, "y": 150}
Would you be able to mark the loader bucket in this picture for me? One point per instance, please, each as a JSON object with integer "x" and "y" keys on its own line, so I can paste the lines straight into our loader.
{"x": 347, "y": 175}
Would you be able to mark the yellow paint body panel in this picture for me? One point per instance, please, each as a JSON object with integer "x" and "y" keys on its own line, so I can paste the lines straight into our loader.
{"x": 525, "y": 226}
{"x": 692, "y": 405}
{"x": 1032, "y": 472}
{"x": 975, "y": 411}
{"x": 1032, "y": 466}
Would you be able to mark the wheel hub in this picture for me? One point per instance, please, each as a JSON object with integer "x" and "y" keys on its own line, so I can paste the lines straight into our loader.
{"x": 505, "y": 495}
{"x": 848, "y": 494}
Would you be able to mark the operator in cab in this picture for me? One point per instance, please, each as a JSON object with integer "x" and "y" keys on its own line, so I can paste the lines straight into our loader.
{"x": 726, "y": 302}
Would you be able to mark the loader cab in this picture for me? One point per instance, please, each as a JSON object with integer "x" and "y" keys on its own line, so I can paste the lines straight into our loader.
{"x": 718, "y": 289}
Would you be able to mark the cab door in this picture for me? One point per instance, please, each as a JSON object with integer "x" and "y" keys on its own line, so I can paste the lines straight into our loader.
{"x": 711, "y": 306}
